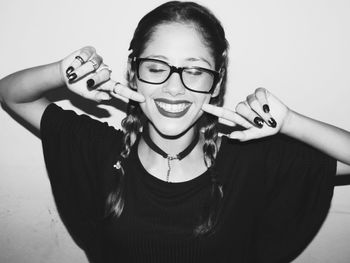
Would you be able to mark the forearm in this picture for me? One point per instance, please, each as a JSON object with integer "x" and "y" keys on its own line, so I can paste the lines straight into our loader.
{"x": 30, "y": 84}
{"x": 325, "y": 137}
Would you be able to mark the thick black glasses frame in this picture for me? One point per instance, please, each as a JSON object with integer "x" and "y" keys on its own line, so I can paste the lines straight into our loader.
{"x": 178, "y": 70}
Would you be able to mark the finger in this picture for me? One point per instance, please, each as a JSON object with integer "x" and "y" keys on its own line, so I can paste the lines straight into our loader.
{"x": 258, "y": 107}
{"x": 97, "y": 95}
{"x": 88, "y": 67}
{"x": 245, "y": 135}
{"x": 261, "y": 96}
{"x": 81, "y": 57}
{"x": 107, "y": 86}
{"x": 226, "y": 122}
{"x": 99, "y": 77}
{"x": 245, "y": 111}
{"x": 127, "y": 93}
{"x": 220, "y": 134}
{"x": 226, "y": 114}
{"x": 101, "y": 96}
{"x": 103, "y": 66}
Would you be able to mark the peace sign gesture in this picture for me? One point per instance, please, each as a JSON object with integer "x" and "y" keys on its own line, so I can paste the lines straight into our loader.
{"x": 84, "y": 73}
{"x": 261, "y": 114}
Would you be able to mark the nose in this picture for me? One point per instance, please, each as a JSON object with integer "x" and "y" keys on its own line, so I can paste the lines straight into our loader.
{"x": 174, "y": 85}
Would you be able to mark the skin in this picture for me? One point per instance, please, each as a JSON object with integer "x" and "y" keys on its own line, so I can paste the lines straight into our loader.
{"x": 23, "y": 92}
{"x": 186, "y": 50}
{"x": 187, "y": 46}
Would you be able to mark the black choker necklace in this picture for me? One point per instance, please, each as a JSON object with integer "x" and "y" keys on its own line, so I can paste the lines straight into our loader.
{"x": 178, "y": 156}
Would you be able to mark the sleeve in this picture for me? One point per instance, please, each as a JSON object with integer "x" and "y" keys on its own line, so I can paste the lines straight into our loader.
{"x": 299, "y": 189}
{"x": 75, "y": 149}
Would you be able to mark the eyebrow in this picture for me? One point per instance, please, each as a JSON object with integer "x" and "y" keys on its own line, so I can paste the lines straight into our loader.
{"x": 187, "y": 59}
{"x": 199, "y": 59}
{"x": 158, "y": 56}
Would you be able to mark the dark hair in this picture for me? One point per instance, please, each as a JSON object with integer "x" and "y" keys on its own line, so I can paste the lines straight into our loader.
{"x": 214, "y": 36}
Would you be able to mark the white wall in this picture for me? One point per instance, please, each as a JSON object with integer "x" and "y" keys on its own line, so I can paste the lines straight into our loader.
{"x": 298, "y": 49}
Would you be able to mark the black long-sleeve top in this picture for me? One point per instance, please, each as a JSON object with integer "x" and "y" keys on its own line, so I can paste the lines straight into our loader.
{"x": 277, "y": 193}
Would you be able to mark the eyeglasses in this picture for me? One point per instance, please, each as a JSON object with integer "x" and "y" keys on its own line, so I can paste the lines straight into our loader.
{"x": 196, "y": 79}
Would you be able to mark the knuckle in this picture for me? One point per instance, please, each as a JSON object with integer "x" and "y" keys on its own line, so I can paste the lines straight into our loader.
{"x": 105, "y": 72}
{"x": 117, "y": 88}
{"x": 90, "y": 49}
{"x": 250, "y": 98}
{"x": 240, "y": 106}
{"x": 98, "y": 59}
{"x": 97, "y": 78}
{"x": 84, "y": 55}
{"x": 87, "y": 51}
{"x": 260, "y": 90}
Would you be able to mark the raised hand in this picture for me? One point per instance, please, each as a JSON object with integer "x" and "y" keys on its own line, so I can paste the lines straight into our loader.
{"x": 84, "y": 73}
{"x": 261, "y": 114}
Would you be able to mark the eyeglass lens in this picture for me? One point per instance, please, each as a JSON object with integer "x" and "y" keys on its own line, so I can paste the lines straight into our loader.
{"x": 157, "y": 72}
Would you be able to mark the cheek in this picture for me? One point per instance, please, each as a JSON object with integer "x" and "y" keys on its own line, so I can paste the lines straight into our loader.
{"x": 202, "y": 99}
{"x": 147, "y": 91}
{"x": 144, "y": 88}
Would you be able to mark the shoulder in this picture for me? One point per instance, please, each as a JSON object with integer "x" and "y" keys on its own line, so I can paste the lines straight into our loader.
{"x": 277, "y": 154}
{"x": 56, "y": 119}
{"x": 278, "y": 142}
{"x": 64, "y": 133}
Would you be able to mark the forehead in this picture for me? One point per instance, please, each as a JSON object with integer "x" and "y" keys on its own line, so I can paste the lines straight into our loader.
{"x": 177, "y": 42}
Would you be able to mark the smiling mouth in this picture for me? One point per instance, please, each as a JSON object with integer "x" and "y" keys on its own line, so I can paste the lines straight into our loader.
{"x": 171, "y": 108}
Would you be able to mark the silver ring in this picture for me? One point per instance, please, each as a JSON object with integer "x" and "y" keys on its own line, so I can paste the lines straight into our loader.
{"x": 115, "y": 87}
{"x": 94, "y": 64}
{"x": 81, "y": 60}
{"x": 104, "y": 66}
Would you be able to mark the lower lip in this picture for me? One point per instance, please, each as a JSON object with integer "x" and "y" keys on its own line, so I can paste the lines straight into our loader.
{"x": 172, "y": 114}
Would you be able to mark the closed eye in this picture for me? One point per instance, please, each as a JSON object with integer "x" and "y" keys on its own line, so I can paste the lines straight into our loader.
{"x": 155, "y": 70}
{"x": 193, "y": 71}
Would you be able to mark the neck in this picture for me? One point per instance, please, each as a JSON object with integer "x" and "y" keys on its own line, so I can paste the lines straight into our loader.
{"x": 172, "y": 145}
{"x": 172, "y": 170}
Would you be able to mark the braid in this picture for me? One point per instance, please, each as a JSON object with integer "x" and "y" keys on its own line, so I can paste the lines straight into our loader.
{"x": 210, "y": 137}
{"x": 211, "y": 212}
{"x": 131, "y": 125}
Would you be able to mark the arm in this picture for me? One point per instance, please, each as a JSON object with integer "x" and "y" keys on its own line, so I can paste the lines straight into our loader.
{"x": 261, "y": 121}
{"x": 23, "y": 92}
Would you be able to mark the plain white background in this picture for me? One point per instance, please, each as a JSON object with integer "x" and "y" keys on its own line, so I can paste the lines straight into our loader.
{"x": 297, "y": 49}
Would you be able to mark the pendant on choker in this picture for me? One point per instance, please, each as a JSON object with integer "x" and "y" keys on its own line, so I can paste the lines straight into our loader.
{"x": 170, "y": 158}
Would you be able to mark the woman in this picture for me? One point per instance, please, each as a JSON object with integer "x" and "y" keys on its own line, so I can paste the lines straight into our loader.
{"x": 168, "y": 188}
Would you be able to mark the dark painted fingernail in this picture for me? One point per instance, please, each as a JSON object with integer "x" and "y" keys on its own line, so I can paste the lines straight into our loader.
{"x": 272, "y": 122}
{"x": 72, "y": 77}
{"x": 259, "y": 122}
{"x": 69, "y": 70}
{"x": 90, "y": 83}
{"x": 266, "y": 108}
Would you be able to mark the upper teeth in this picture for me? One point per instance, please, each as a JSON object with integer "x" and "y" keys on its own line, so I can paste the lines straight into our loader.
{"x": 173, "y": 107}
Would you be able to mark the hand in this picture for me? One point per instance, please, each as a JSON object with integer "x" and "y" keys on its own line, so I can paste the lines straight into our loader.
{"x": 261, "y": 114}
{"x": 84, "y": 73}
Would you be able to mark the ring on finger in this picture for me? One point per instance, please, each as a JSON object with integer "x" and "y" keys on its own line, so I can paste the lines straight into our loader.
{"x": 80, "y": 59}
{"x": 104, "y": 66}
{"x": 115, "y": 87}
{"x": 94, "y": 64}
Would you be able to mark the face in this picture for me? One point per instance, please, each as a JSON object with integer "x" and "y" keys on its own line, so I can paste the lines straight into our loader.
{"x": 170, "y": 106}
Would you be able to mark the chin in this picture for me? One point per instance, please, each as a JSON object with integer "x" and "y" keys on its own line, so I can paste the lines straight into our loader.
{"x": 171, "y": 129}
{"x": 170, "y": 126}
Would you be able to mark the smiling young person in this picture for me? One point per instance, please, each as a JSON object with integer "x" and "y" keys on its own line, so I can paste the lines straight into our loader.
{"x": 167, "y": 188}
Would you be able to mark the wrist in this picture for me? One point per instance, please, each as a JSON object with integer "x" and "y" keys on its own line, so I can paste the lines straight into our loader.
{"x": 57, "y": 67}
{"x": 289, "y": 123}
